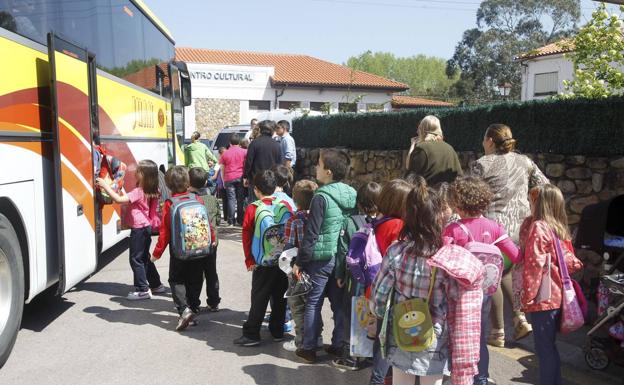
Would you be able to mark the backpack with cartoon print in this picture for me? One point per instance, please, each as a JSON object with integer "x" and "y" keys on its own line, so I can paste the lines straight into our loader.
{"x": 268, "y": 238}
{"x": 190, "y": 228}
{"x": 411, "y": 322}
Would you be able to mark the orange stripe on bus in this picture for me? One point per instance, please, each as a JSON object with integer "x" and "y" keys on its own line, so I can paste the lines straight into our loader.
{"x": 30, "y": 115}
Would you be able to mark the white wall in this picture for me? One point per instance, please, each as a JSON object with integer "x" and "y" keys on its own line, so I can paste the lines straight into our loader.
{"x": 245, "y": 83}
{"x": 553, "y": 63}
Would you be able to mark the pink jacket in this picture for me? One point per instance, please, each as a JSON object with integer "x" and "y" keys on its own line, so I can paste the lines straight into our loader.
{"x": 539, "y": 245}
{"x": 465, "y": 297}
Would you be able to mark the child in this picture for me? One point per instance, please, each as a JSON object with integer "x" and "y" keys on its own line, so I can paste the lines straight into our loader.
{"x": 388, "y": 227}
{"x": 197, "y": 177}
{"x": 185, "y": 277}
{"x": 317, "y": 254}
{"x": 143, "y": 208}
{"x": 538, "y": 234}
{"x": 302, "y": 194}
{"x": 267, "y": 282}
{"x": 284, "y": 179}
{"x": 470, "y": 197}
{"x": 407, "y": 272}
{"x": 367, "y": 196}
{"x": 211, "y": 178}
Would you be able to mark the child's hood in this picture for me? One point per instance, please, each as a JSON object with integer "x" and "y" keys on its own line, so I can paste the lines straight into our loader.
{"x": 341, "y": 193}
{"x": 459, "y": 264}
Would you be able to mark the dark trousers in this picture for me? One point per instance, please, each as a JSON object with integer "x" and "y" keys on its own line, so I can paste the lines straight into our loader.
{"x": 235, "y": 199}
{"x": 545, "y": 325}
{"x": 144, "y": 271}
{"x": 266, "y": 283}
{"x": 380, "y": 365}
{"x": 484, "y": 354}
{"x": 212, "y": 279}
{"x": 186, "y": 280}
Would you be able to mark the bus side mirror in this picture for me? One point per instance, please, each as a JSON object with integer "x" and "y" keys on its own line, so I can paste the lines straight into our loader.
{"x": 185, "y": 81}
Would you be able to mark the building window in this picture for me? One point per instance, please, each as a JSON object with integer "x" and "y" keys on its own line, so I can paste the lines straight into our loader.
{"x": 546, "y": 84}
{"x": 347, "y": 107}
{"x": 259, "y": 105}
{"x": 323, "y": 107}
{"x": 286, "y": 105}
{"x": 375, "y": 107}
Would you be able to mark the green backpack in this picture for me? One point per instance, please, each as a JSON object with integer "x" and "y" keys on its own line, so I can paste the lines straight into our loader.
{"x": 411, "y": 322}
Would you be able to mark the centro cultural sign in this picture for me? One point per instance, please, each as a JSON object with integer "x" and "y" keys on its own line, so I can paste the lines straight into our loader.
{"x": 233, "y": 76}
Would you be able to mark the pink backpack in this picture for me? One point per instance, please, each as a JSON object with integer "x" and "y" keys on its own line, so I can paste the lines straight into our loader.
{"x": 491, "y": 257}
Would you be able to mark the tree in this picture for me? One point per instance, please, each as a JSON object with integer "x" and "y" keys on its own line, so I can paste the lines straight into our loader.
{"x": 425, "y": 75}
{"x": 598, "y": 57}
{"x": 506, "y": 28}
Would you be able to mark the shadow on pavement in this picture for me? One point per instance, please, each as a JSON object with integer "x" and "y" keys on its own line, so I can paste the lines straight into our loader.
{"x": 44, "y": 309}
{"x": 267, "y": 374}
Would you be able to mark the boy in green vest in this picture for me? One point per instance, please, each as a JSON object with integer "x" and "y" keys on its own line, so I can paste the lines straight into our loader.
{"x": 317, "y": 254}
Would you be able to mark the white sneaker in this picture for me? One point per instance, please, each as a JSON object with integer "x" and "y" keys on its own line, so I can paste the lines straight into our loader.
{"x": 138, "y": 295}
{"x": 290, "y": 346}
{"x": 159, "y": 290}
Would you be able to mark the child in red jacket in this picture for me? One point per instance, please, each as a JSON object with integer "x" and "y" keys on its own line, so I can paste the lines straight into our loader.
{"x": 267, "y": 282}
{"x": 185, "y": 277}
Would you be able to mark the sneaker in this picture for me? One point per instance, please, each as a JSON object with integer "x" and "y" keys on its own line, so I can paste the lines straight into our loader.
{"x": 346, "y": 363}
{"x": 244, "y": 341}
{"x": 159, "y": 290}
{"x": 184, "y": 320}
{"x": 288, "y": 327}
{"x": 212, "y": 309}
{"x": 309, "y": 356}
{"x": 290, "y": 346}
{"x": 138, "y": 295}
{"x": 334, "y": 351}
{"x": 267, "y": 317}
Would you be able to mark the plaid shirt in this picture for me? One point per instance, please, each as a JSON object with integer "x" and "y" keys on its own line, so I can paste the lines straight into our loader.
{"x": 293, "y": 230}
{"x": 456, "y": 298}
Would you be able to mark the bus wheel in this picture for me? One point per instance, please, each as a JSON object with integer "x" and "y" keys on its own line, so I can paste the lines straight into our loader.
{"x": 11, "y": 288}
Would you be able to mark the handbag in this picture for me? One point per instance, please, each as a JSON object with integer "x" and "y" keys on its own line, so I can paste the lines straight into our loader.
{"x": 571, "y": 314}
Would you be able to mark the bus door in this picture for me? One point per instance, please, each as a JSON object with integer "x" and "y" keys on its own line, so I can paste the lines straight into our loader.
{"x": 72, "y": 74}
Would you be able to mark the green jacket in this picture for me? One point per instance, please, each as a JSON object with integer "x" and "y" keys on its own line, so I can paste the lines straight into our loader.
{"x": 339, "y": 203}
{"x": 198, "y": 154}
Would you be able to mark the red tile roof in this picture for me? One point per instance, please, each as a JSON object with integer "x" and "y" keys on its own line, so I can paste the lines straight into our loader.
{"x": 403, "y": 101}
{"x": 562, "y": 46}
{"x": 294, "y": 70}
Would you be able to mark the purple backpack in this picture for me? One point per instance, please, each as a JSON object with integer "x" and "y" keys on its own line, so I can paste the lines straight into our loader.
{"x": 364, "y": 257}
{"x": 491, "y": 257}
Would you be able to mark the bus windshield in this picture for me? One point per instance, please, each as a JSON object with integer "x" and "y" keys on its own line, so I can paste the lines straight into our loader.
{"x": 125, "y": 42}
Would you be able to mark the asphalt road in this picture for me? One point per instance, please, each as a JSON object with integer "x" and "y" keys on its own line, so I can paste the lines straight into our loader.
{"x": 93, "y": 335}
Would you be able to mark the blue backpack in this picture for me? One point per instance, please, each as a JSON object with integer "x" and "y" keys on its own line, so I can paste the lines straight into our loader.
{"x": 190, "y": 228}
{"x": 268, "y": 239}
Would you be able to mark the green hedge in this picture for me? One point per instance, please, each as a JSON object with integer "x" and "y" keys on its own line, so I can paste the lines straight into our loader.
{"x": 579, "y": 126}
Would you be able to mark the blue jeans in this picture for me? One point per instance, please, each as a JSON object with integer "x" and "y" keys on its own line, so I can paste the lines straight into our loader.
{"x": 235, "y": 197}
{"x": 545, "y": 326}
{"x": 380, "y": 365}
{"x": 144, "y": 271}
{"x": 323, "y": 282}
{"x": 484, "y": 354}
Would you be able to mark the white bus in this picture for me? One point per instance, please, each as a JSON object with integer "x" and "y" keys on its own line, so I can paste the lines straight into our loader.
{"x": 75, "y": 75}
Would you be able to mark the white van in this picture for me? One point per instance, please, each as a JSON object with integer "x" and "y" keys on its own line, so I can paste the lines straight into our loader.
{"x": 223, "y": 137}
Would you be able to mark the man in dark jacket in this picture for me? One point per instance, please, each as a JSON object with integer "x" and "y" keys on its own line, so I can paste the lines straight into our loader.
{"x": 263, "y": 153}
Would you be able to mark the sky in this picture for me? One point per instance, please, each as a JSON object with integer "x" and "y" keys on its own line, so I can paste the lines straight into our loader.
{"x": 332, "y": 30}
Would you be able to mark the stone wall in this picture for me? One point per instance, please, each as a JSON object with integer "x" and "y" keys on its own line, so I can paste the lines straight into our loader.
{"x": 211, "y": 115}
{"x": 584, "y": 180}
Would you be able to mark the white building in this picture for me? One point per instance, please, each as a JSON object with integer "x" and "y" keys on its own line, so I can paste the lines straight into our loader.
{"x": 230, "y": 87}
{"x": 544, "y": 70}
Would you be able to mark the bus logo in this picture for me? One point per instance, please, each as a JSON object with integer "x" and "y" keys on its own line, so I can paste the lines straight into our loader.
{"x": 143, "y": 114}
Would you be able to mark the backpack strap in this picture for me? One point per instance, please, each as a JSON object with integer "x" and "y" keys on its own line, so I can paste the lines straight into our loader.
{"x": 434, "y": 271}
{"x": 500, "y": 239}
{"x": 463, "y": 227}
